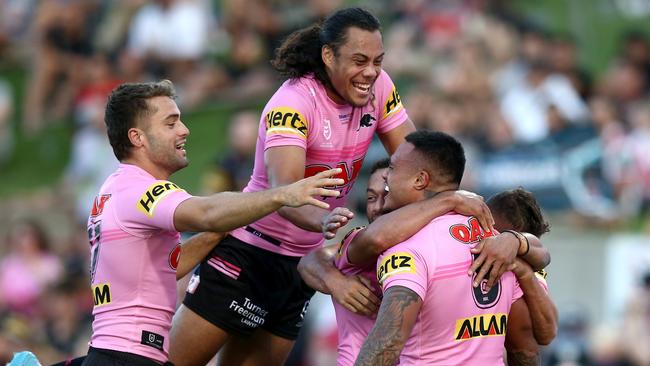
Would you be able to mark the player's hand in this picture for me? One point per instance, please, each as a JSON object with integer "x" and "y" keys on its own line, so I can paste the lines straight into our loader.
{"x": 496, "y": 254}
{"x": 355, "y": 294}
{"x": 304, "y": 191}
{"x": 335, "y": 220}
{"x": 472, "y": 204}
{"x": 522, "y": 269}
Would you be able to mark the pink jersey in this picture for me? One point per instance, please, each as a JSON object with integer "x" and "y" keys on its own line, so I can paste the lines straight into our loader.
{"x": 301, "y": 114}
{"x": 135, "y": 251}
{"x": 353, "y": 329}
{"x": 457, "y": 324}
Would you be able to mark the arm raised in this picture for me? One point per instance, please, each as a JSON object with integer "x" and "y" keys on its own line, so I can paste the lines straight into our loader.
{"x": 229, "y": 210}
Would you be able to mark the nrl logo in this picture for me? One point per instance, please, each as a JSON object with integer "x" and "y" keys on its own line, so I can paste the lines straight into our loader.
{"x": 327, "y": 129}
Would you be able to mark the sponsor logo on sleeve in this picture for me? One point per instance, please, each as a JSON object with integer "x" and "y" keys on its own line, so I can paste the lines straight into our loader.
{"x": 98, "y": 204}
{"x": 154, "y": 194}
{"x": 281, "y": 120}
{"x": 393, "y": 103}
{"x": 102, "y": 294}
{"x": 486, "y": 325}
{"x": 396, "y": 263}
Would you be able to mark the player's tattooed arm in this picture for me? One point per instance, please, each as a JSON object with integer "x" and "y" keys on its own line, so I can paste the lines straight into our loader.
{"x": 522, "y": 358}
{"x": 397, "y": 314}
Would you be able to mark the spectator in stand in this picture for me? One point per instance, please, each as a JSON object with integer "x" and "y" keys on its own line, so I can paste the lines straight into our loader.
{"x": 64, "y": 33}
{"x": 27, "y": 269}
{"x": 636, "y": 324}
{"x": 232, "y": 171}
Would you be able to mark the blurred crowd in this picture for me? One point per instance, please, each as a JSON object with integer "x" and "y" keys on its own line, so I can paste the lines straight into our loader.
{"x": 518, "y": 96}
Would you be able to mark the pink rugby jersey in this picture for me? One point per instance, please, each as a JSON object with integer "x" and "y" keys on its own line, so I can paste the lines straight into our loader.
{"x": 301, "y": 114}
{"x": 457, "y": 324}
{"x": 353, "y": 329}
{"x": 135, "y": 251}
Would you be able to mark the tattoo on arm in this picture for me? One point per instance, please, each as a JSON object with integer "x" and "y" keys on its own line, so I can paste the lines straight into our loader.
{"x": 395, "y": 320}
{"x": 519, "y": 358}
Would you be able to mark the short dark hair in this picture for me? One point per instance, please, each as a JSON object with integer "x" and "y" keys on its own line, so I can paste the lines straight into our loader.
{"x": 128, "y": 103}
{"x": 442, "y": 152}
{"x": 521, "y": 209}
{"x": 300, "y": 53}
{"x": 380, "y": 164}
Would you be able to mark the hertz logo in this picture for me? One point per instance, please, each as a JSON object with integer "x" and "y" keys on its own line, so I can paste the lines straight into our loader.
{"x": 154, "y": 194}
{"x": 102, "y": 294}
{"x": 286, "y": 120}
{"x": 399, "y": 262}
{"x": 393, "y": 104}
{"x": 486, "y": 325}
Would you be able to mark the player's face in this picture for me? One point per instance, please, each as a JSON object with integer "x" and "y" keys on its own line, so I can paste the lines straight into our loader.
{"x": 357, "y": 66}
{"x": 166, "y": 135}
{"x": 375, "y": 194}
{"x": 399, "y": 177}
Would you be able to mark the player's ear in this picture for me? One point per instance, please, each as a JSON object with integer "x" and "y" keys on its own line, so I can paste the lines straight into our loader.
{"x": 422, "y": 180}
{"x": 136, "y": 136}
{"x": 327, "y": 54}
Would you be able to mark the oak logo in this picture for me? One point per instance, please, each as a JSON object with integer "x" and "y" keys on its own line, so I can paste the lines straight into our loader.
{"x": 102, "y": 294}
{"x": 286, "y": 120}
{"x": 400, "y": 262}
{"x": 154, "y": 194}
{"x": 486, "y": 325}
{"x": 393, "y": 104}
{"x": 469, "y": 233}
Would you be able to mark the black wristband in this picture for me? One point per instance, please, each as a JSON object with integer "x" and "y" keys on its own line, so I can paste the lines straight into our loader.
{"x": 521, "y": 238}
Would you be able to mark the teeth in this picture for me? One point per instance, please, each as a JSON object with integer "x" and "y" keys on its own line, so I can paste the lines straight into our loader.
{"x": 364, "y": 87}
{"x": 386, "y": 189}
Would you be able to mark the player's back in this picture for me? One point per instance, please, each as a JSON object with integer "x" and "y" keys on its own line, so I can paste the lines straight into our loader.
{"x": 458, "y": 324}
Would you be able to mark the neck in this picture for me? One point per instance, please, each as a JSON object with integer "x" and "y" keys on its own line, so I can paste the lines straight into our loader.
{"x": 431, "y": 192}
{"x": 332, "y": 93}
{"x": 147, "y": 165}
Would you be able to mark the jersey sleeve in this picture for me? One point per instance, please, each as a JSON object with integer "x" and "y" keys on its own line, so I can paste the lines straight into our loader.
{"x": 517, "y": 293}
{"x": 403, "y": 265}
{"x": 541, "y": 279}
{"x": 391, "y": 109}
{"x": 342, "y": 261}
{"x": 287, "y": 117}
{"x": 150, "y": 206}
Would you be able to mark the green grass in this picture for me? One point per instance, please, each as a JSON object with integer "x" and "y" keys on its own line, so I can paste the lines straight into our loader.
{"x": 597, "y": 26}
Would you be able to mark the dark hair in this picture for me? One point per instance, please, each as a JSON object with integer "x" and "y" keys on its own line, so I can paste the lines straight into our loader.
{"x": 443, "y": 153}
{"x": 36, "y": 229}
{"x": 126, "y": 104}
{"x": 300, "y": 53}
{"x": 381, "y": 164}
{"x": 521, "y": 209}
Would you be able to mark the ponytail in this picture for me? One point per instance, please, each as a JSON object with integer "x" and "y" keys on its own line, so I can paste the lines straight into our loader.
{"x": 300, "y": 54}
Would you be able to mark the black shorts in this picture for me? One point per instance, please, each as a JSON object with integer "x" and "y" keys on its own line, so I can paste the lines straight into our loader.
{"x": 240, "y": 288}
{"x": 107, "y": 357}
